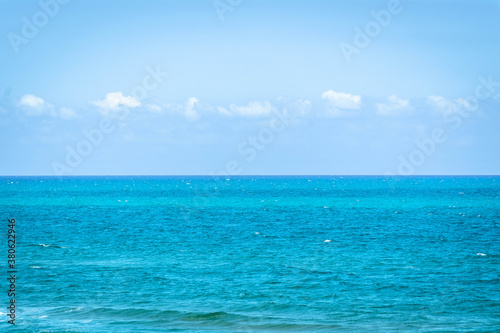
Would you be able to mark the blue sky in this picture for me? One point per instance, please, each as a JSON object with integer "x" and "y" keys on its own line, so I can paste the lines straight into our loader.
{"x": 249, "y": 87}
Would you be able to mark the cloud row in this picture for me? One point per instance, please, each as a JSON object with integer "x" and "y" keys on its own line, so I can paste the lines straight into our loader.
{"x": 336, "y": 105}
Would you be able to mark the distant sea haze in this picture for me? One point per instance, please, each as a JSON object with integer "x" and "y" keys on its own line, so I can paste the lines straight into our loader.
{"x": 255, "y": 253}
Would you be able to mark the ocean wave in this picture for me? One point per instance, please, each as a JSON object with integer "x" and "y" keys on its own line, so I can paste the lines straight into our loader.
{"x": 49, "y": 245}
{"x": 213, "y": 320}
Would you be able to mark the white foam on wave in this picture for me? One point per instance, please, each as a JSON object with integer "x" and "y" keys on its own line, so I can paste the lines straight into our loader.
{"x": 35, "y": 267}
{"x": 79, "y": 308}
{"x": 56, "y": 246}
{"x": 327, "y": 241}
{"x": 481, "y": 254}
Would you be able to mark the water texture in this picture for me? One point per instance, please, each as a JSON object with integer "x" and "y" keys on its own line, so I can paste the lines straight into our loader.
{"x": 254, "y": 254}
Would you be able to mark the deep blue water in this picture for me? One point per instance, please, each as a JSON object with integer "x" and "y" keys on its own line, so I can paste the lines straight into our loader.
{"x": 250, "y": 254}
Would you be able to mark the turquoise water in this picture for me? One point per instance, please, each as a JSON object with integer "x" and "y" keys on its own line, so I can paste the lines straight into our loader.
{"x": 254, "y": 254}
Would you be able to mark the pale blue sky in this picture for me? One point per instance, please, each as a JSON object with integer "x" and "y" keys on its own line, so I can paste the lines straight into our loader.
{"x": 236, "y": 69}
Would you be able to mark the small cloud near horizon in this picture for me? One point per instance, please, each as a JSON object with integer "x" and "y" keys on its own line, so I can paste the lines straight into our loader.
{"x": 340, "y": 104}
{"x": 115, "y": 100}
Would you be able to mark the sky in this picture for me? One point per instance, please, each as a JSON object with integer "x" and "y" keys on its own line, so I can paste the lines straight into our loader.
{"x": 249, "y": 87}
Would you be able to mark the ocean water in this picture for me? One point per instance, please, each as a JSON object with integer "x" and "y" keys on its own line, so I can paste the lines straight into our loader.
{"x": 253, "y": 254}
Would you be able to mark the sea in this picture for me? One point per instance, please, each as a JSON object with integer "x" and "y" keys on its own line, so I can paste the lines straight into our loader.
{"x": 251, "y": 254}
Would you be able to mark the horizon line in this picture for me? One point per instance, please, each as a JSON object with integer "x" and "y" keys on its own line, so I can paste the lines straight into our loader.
{"x": 261, "y": 175}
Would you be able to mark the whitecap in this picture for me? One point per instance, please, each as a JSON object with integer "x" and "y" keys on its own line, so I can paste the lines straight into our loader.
{"x": 481, "y": 254}
{"x": 75, "y": 309}
{"x": 327, "y": 241}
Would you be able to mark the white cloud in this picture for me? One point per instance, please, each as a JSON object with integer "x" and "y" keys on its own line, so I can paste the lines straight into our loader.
{"x": 339, "y": 102}
{"x": 32, "y": 101}
{"x": 445, "y": 106}
{"x": 189, "y": 110}
{"x": 253, "y": 109}
{"x": 174, "y": 107}
{"x": 440, "y": 102}
{"x": 36, "y": 106}
{"x": 114, "y": 101}
{"x": 460, "y": 102}
{"x": 342, "y": 100}
{"x": 299, "y": 107}
{"x": 223, "y": 111}
{"x": 154, "y": 108}
{"x": 394, "y": 107}
{"x": 67, "y": 113}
